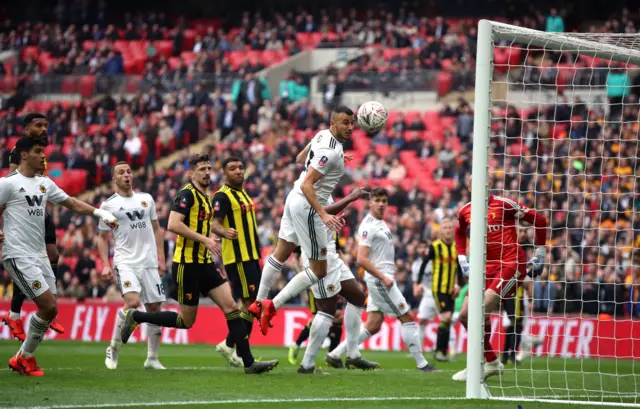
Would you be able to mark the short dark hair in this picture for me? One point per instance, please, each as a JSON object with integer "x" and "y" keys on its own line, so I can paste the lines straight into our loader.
{"x": 230, "y": 160}
{"x": 30, "y": 117}
{"x": 25, "y": 144}
{"x": 342, "y": 109}
{"x": 122, "y": 162}
{"x": 379, "y": 192}
{"x": 198, "y": 158}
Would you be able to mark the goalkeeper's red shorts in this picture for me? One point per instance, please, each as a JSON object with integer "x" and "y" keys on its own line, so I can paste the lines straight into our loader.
{"x": 503, "y": 278}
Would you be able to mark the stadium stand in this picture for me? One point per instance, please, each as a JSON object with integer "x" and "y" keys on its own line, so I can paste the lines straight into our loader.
{"x": 187, "y": 81}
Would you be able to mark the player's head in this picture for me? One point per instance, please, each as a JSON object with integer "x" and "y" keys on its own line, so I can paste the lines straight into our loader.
{"x": 233, "y": 169}
{"x": 342, "y": 122}
{"x": 200, "y": 170}
{"x": 447, "y": 230}
{"x": 35, "y": 124}
{"x": 122, "y": 175}
{"x": 378, "y": 202}
{"x": 31, "y": 152}
{"x": 421, "y": 249}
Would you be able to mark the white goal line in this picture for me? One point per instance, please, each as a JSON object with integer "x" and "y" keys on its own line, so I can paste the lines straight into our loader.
{"x": 311, "y": 400}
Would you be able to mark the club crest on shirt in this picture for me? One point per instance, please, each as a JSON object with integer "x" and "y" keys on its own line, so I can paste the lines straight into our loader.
{"x": 331, "y": 287}
{"x": 188, "y": 296}
{"x": 36, "y": 285}
{"x": 323, "y": 161}
{"x": 401, "y": 306}
{"x": 216, "y": 206}
{"x": 43, "y": 189}
{"x": 323, "y": 251}
{"x": 183, "y": 203}
{"x": 127, "y": 284}
{"x": 364, "y": 234}
{"x": 144, "y": 204}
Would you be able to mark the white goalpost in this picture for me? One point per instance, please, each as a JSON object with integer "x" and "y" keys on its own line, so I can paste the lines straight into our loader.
{"x": 556, "y": 129}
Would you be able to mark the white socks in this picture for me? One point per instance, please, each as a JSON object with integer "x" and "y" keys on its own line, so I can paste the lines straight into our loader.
{"x": 270, "y": 273}
{"x": 409, "y": 333}
{"x": 37, "y": 329}
{"x": 153, "y": 340}
{"x": 14, "y": 315}
{"x": 116, "y": 339}
{"x": 299, "y": 283}
{"x": 319, "y": 331}
{"x": 342, "y": 348}
{"x": 421, "y": 330}
{"x": 352, "y": 322}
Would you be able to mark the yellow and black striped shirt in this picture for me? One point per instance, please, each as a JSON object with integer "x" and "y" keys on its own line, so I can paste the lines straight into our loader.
{"x": 197, "y": 211}
{"x": 235, "y": 209}
{"x": 444, "y": 266}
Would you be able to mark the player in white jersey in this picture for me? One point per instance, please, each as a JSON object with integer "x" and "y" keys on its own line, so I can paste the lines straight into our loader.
{"x": 422, "y": 290}
{"x": 24, "y": 194}
{"x": 138, "y": 259}
{"x": 305, "y": 221}
{"x": 339, "y": 280}
{"x": 376, "y": 254}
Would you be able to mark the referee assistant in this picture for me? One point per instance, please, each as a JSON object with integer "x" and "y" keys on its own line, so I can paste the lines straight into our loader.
{"x": 234, "y": 219}
{"x": 444, "y": 266}
{"x": 194, "y": 272}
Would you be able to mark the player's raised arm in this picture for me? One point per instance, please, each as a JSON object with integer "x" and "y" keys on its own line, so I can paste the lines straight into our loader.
{"x": 341, "y": 204}
{"x": 80, "y": 207}
{"x": 540, "y": 224}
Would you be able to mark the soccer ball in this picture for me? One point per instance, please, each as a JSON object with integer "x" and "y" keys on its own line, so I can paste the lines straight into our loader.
{"x": 372, "y": 116}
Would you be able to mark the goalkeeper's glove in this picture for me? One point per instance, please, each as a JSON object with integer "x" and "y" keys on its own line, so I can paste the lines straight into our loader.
{"x": 537, "y": 262}
{"x": 464, "y": 265}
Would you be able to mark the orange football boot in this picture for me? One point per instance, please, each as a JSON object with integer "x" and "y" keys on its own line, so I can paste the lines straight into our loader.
{"x": 55, "y": 325}
{"x": 16, "y": 327}
{"x": 268, "y": 312}
{"x": 25, "y": 366}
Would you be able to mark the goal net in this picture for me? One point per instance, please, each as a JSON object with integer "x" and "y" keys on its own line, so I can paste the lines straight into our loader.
{"x": 556, "y": 129}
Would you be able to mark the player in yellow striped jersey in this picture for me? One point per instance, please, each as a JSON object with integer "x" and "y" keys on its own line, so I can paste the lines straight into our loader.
{"x": 35, "y": 126}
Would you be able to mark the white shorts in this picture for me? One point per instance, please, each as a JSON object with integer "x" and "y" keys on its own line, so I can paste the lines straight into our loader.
{"x": 389, "y": 301}
{"x": 301, "y": 225}
{"x": 144, "y": 281}
{"x": 427, "y": 309}
{"x": 337, "y": 272}
{"x": 33, "y": 276}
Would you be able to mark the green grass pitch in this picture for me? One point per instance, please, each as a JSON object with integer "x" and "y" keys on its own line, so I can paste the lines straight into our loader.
{"x": 196, "y": 377}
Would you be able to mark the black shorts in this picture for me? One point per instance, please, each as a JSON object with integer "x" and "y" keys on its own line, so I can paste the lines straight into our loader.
{"x": 49, "y": 230}
{"x": 244, "y": 278}
{"x": 444, "y": 302}
{"x": 191, "y": 279}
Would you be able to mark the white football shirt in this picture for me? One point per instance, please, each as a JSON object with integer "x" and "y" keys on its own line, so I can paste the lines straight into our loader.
{"x": 135, "y": 243}
{"x": 327, "y": 157}
{"x": 25, "y": 200}
{"x": 428, "y": 274}
{"x": 375, "y": 234}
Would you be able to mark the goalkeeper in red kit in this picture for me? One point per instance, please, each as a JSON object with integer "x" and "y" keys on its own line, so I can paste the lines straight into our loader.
{"x": 505, "y": 263}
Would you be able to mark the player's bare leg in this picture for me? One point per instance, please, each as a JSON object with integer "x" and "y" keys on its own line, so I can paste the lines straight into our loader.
{"x": 352, "y": 292}
{"x": 223, "y": 297}
{"x": 299, "y": 283}
{"x": 24, "y": 362}
{"x": 492, "y": 366}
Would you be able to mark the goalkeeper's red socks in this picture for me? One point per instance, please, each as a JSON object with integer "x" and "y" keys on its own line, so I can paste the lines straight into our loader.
{"x": 489, "y": 353}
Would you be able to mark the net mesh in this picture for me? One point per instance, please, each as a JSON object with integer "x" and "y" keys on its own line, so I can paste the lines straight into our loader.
{"x": 564, "y": 141}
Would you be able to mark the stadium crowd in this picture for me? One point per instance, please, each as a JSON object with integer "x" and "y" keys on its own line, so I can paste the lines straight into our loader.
{"x": 591, "y": 199}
